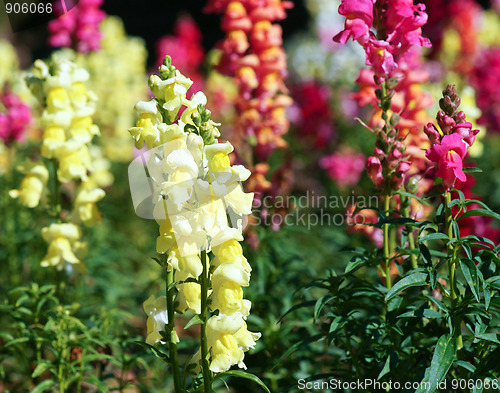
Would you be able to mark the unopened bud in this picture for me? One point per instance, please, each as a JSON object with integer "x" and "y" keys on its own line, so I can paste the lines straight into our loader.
{"x": 433, "y": 134}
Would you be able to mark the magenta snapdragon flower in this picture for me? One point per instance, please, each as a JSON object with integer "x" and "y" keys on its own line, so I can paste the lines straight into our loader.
{"x": 344, "y": 167}
{"x": 398, "y": 24}
{"x": 448, "y": 155}
{"x": 449, "y": 147}
{"x": 79, "y": 26}
{"x": 15, "y": 120}
{"x": 359, "y": 20}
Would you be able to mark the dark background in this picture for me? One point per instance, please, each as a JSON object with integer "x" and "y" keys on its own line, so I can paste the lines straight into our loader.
{"x": 150, "y": 19}
{"x": 153, "y": 19}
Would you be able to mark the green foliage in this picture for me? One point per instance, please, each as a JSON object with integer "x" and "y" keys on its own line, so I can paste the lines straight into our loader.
{"x": 416, "y": 331}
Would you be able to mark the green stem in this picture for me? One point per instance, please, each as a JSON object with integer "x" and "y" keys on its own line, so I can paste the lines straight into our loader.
{"x": 11, "y": 223}
{"x": 172, "y": 346}
{"x": 56, "y": 197}
{"x": 388, "y": 283}
{"x": 411, "y": 239}
{"x": 452, "y": 267}
{"x": 207, "y": 374}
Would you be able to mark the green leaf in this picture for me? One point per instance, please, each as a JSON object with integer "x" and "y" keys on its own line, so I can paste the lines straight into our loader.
{"x": 480, "y": 212}
{"x": 193, "y": 321}
{"x": 307, "y": 303}
{"x": 320, "y": 303}
{"x": 438, "y": 303}
{"x": 44, "y": 386}
{"x": 17, "y": 341}
{"x": 356, "y": 262}
{"x": 471, "y": 169}
{"x": 488, "y": 336}
{"x": 442, "y": 359}
{"x": 245, "y": 375}
{"x": 175, "y": 283}
{"x": 465, "y": 365}
{"x": 155, "y": 351}
{"x": 469, "y": 270}
{"x": 40, "y": 369}
{"x": 95, "y": 356}
{"x": 158, "y": 261}
{"x": 415, "y": 279}
{"x": 390, "y": 363}
{"x": 296, "y": 346}
{"x": 426, "y": 255}
{"x": 338, "y": 323}
{"x": 486, "y": 291}
{"x": 426, "y": 313}
{"x": 435, "y": 236}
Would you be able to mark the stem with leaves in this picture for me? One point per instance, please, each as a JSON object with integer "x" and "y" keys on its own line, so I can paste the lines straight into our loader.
{"x": 56, "y": 197}
{"x": 452, "y": 256}
{"x": 388, "y": 283}
{"x": 172, "y": 345}
{"x": 409, "y": 228}
{"x": 207, "y": 374}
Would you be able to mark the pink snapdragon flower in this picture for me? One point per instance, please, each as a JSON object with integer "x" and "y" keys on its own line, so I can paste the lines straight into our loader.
{"x": 380, "y": 58}
{"x": 79, "y": 26}
{"x": 399, "y": 28}
{"x": 344, "y": 167}
{"x": 449, "y": 147}
{"x": 184, "y": 47}
{"x": 61, "y": 30}
{"x": 16, "y": 119}
{"x": 403, "y": 22}
{"x": 374, "y": 169}
{"x": 448, "y": 155}
{"x": 359, "y": 20}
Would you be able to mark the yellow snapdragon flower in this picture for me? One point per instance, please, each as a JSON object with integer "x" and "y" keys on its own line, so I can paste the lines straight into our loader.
{"x": 194, "y": 191}
{"x": 85, "y": 209}
{"x": 64, "y": 245}
{"x": 156, "y": 310}
{"x": 228, "y": 338}
{"x": 32, "y": 185}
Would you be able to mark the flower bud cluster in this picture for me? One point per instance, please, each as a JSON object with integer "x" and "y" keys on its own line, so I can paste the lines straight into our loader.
{"x": 449, "y": 147}
{"x": 388, "y": 166}
{"x": 252, "y": 53}
{"x": 115, "y": 92}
